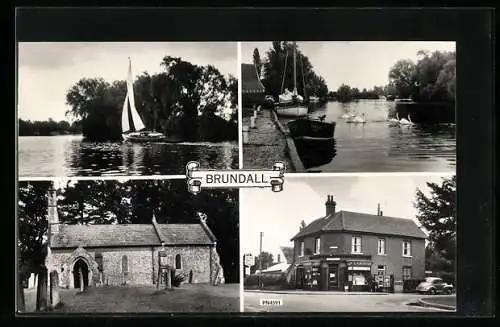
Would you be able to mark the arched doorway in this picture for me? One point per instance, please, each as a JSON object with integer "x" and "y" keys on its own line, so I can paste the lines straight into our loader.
{"x": 80, "y": 265}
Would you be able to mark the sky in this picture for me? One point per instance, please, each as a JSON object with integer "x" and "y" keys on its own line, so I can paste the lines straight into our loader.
{"x": 361, "y": 64}
{"x": 47, "y": 70}
{"x": 278, "y": 215}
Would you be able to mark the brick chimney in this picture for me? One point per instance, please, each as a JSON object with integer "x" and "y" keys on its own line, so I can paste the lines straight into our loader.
{"x": 330, "y": 205}
{"x": 53, "y": 217}
{"x": 379, "y": 212}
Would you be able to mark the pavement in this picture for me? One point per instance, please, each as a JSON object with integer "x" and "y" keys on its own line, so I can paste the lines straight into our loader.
{"x": 336, "y": 302}
{"x": 266, "y": 144}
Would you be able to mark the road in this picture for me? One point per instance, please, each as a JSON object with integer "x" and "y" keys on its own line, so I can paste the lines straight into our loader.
{"x": 336, "y": 302}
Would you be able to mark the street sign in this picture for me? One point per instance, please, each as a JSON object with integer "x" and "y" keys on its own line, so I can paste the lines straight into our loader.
{"x": 249, "y": 260}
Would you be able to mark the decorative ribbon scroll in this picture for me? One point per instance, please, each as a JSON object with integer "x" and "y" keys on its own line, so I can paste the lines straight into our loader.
{"x": 198, "y": 179}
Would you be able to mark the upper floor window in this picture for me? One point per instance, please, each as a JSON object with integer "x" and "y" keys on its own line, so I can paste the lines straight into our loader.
{"x": 356, "y": 244}
{"x": 301, "y": 248}
{"x": 178, "y": 264}
{"x": 406, "y": 249}
{"x": 381, "y": 246}
{"x": 317, "y": 245}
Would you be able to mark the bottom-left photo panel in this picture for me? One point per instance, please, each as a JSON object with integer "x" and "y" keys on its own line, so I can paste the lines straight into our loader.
{"x": 126, "y": 246}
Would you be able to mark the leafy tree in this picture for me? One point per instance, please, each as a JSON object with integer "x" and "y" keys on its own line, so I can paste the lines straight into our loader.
{"x": 344, "y": 93}
{"x": 266, "y": 258}
{"x": 257, "y": 61}
{"x": 32, "y": 225}
{"x": 437, "y": 214}
{"x": 402, "y": 76}
{"x": 432, "y": 78}
{"x": 274, "y": 69}
{"x": 170, "y": 101}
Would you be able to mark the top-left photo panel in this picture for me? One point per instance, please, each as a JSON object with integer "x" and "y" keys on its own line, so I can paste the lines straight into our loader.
{"x": 126, "y": 108}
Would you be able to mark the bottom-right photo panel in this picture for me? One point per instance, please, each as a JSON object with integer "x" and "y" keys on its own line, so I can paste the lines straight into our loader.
{"x": 372, "y": 243}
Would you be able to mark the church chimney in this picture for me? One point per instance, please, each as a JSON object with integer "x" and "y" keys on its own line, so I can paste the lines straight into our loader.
{"x": 53, "y": 217}
{"x": 330, "y": 205}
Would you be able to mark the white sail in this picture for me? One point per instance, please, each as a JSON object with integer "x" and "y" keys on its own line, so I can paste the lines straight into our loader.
{"x": 125, "y": 125}
{"x": 138, "y": 124}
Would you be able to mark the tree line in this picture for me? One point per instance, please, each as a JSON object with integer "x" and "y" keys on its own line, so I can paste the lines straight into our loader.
{"x": 431, "y": 78}
{"x": 345, "y": 93}
{"x": 131, "y": 202}
{"x": 185, "y": 101}
{"x": 47, "y": 128}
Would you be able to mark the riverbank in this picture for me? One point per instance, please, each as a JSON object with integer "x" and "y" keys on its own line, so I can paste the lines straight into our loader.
{"x": 266, "y": 144}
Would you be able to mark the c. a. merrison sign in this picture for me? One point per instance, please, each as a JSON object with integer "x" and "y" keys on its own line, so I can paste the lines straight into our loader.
{"x": 198, "y": 178}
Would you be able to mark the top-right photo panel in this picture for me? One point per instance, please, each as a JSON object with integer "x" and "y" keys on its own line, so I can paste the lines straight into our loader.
{"x": 349, "y": 107}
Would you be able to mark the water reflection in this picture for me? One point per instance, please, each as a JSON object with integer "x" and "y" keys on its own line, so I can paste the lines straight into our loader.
{"x": 378, "y": 146}
{"x": 69, "y": 156}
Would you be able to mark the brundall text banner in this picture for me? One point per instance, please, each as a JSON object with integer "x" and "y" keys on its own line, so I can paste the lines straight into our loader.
{"x": 198, "y": 179}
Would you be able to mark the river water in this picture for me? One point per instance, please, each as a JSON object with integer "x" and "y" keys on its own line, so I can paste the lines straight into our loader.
{"x": 378, "y": 146}
{"x": 68, "y": 155}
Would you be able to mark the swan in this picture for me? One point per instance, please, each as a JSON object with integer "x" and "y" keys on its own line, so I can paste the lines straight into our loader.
{"x": 406, "y": 122}
{"x": 357, "y": 119}
{"x": 347, "y": 116}
{"x": 395, "y": 120}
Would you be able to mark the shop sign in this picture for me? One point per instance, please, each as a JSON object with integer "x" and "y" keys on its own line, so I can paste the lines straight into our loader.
{"x": 333, "y": 259}
{"x": 359, "y": 263}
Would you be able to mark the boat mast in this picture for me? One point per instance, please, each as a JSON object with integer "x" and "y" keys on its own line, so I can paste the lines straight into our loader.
{"x": 294, "y": 69}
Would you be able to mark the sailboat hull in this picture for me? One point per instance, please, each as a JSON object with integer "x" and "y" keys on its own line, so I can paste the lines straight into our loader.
{"x": 292, "y": 111}
{"x": 143, "y": 137}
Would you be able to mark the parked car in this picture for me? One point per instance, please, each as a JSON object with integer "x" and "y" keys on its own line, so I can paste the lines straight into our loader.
{"x": 434, "y": 285}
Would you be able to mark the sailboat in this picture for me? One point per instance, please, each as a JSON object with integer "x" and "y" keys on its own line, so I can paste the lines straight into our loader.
{"x": 133, "y": 128}
{"x": 291, "y": 104}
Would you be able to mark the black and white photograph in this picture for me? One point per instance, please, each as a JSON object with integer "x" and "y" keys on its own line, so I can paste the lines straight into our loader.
{"x": 126, "y": 246}
{"x": 371, "y": 106}
{"x": 351, "y": 244}
{"x": 126, "y": 108}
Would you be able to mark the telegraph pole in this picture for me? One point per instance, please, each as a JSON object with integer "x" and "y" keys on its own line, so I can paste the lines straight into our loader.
{"x": 260, "y": 261}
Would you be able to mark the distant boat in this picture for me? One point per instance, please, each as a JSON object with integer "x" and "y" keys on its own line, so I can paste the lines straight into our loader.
{"x": 313, "y": 99}
{"x": 291, "y": 104}
{"x": 133, "y": 128}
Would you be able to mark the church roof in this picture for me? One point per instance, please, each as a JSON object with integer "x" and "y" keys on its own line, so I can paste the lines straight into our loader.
{"x": 70, "y": 236}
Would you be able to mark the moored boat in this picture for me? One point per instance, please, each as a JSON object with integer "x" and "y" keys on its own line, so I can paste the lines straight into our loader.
{"x": 291, "y": 104}
{"x": 314, "y": 140}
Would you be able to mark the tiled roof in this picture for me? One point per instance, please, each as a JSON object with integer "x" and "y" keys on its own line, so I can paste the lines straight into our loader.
{"x": 184, "y": 234}
{"x": 70, "y": 236}
{"x": 362, "y": 222}
{"x": 250, "y": 80}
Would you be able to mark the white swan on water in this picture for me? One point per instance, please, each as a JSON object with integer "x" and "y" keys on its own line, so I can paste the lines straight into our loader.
{"x": 406, "y": 122}
{"x": 357, "y": 119}
{"x": 394, "y": 120}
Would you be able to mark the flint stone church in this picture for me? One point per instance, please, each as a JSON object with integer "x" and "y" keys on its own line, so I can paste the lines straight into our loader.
{"x": 122, "y": 254}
